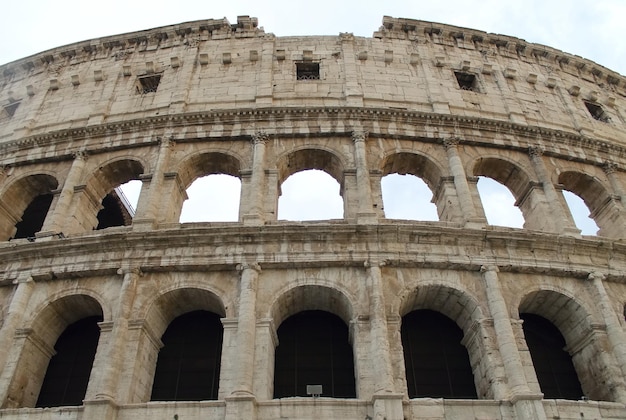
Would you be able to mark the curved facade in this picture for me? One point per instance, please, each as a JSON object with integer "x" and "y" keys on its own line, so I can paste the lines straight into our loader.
{"x": 169, "y": 105}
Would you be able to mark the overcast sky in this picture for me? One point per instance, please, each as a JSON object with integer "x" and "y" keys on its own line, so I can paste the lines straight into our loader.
{"x": 591, "y": 29}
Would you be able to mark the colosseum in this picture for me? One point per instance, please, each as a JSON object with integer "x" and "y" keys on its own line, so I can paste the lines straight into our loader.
{"x": 111, "y": 312}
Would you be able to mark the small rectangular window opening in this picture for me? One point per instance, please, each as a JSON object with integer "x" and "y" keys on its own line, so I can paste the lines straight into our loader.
{"x": 308, "y": 71}
{"x": 11, "y": 108}
{"x": 597, "y": 112}
{"x": 148, "y": 84}
{"x": 467, "y": 81}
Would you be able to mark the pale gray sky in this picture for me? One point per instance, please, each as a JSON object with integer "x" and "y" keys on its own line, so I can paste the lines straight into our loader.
{"x": 593, "y": 30}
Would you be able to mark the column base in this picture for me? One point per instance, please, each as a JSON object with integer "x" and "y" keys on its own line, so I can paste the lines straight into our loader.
{"x": 143, "y": 224}
{"x": 101, "y": 409}
{"x": 252, "y": 220}
{"x": 388, "y": 406}
{"x": 241, "y": 406}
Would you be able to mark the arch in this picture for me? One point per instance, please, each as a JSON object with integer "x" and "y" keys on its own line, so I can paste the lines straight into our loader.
{"x": 420, "y": 166}
{"x": 99, "y": 206}
{"x": 585, "y": 347}
{"x": 515, "y": 178}
{"x": 415, "y": 164}
{"x": 311, "y": 158}
{"x": 460, "y": 307}
{"x": 314, "y": 349}
{"x": 188, "y": 365}
{"x": 456, "y": 304}
{"x": 169, "y": 305}
{"x": 24, "y": 204}
{"x": 553, "y": 365}
{"x": 47, "y": 327}
{"x": 597, "y": 198}
{"x": 208, "y": 163}
{"x": 304, "y": 297}
{"x": 437, "y": 364}
{"x": 67, "y": 376}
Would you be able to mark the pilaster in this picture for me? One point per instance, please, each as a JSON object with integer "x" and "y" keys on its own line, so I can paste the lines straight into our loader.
{"x": 58, "y": 219}
{"x": 149, "y": 211}
{"x": 561, "y": 219}
{"x": 365, "y": 206}
{"x": 466, "y": 201}
{"x": 253, "y": 198}
{"x": 527, "y": 404}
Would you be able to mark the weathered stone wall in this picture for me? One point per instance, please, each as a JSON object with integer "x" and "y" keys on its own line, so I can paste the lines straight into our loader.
{"x": 229, "y": 101}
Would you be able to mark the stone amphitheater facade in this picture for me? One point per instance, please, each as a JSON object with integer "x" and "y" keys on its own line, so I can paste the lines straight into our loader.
{"x": 447, "y": 104}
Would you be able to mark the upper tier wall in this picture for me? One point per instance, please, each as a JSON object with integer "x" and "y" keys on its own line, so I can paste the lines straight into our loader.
{"x": 212, "y": 65}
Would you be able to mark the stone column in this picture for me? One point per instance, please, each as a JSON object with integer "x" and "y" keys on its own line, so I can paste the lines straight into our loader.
{"x": 610, "y": 170}
{"x": 246, "y": 329}
{"x": 527, "y": 405}
{"x": 14, "y": 316}
{"x": 256, "y": 194}
{"x": 614, "y": 330}
{"x": 59, "y": 218}
{"x": 365, "y": 206}
{"x": 241, "y": 403}
{"x": 463, "y": 192}
{"x": 152, "y": 191}
{"x": 561, "y": 217}
{"x": 113, "y": 357}
{"x": 387, "y": 403}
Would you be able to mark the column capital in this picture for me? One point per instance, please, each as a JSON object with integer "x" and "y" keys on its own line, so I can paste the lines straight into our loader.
{"x": 609, "y": 167}
{"x": 122, "y": 271}
{"x": 260, "y": 137}
{"x": 596, "y": 275}
{"x": 535, "y": 151}
{"x": 249, "y": 266}
{"x": 449, "y": 142}
{"x": 487, "y": 268}
{"x": 80, "y": 155}
{"x": 166, "y": 142}
{"x": 375, "y": 263}
{"x": 359, "y": 135}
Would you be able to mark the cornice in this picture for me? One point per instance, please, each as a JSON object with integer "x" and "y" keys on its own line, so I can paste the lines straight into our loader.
{"x": 428, "y": 126}
{"x": 428, "y": 245}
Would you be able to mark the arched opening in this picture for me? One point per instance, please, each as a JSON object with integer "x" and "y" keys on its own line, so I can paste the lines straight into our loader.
{"x": 314, "y": 349}
{"x": 25, "y": 205}
{"x": 310, "y": 185}
{"x": 582, "y": 344}
{"x": 101, "y": 201}
{"x": 310, "y": 195}
{"x": 598, "y": 202}
{"x": 407, "y": 197}
{"x": 188, "y": 366}
{"x": 213, "y": 188}
{"x": 44, "y": 341}
{"x": 407, "y": 187}
{"x": 437, "y": 364}
{"x": 212, "y": 198}
{"x": 33, "y": 217}
{"x": 499, "y": 204}
{"x": 580, "y": 213}
{"x": 553, "y": 365}
{"x": 67, "y": 376}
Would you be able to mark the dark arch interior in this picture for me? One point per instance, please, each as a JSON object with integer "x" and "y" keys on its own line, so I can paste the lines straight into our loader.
{"x": 553, "y": 365}
{"x": 188, "y": 367}
{"x": 314, "y": 349}
{"x": 69, "y": 369}
{"x": 113, "y": 212}
{"x": 33, "y": 217}
{"x": 437, "y": 364}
